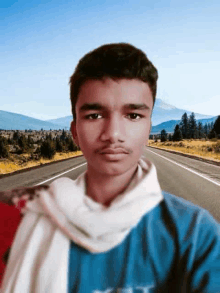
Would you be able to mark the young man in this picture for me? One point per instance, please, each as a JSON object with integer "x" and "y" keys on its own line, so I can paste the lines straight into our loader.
{"x": 113, "y": 229}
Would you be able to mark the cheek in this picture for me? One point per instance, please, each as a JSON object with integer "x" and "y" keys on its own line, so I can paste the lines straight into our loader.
{"x": 87, "y": 133}
{"x": 139, "y": 133}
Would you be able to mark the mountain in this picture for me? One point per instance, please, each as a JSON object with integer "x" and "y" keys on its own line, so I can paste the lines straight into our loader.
{"x": 9, "y": 120}
{"x": 170, "y": 125}
{"x": 163, "y": 112}
{"x": 63, "y": 121}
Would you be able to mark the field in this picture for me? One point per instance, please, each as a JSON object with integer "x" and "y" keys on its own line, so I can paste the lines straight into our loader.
{"x": 201, "y": 148}
{"x": 18, "y": 162}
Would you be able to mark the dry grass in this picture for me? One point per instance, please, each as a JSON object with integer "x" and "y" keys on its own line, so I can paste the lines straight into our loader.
{"x": 20, "y": 162}
{"x": 205, "y": 149}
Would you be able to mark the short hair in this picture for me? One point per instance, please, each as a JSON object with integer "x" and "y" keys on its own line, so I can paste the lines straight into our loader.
{"x": 115, "y": 61}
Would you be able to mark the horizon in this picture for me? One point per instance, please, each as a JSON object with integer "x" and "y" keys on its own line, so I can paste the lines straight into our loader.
{"x": 49, "y": 120}
{"x": 43, "y": 42}
{"x": 188, "y": 114}
{"x": 154, "y": 106}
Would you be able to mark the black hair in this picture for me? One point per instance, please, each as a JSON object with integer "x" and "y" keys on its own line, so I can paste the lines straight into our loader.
{"x": 115, "y": 61}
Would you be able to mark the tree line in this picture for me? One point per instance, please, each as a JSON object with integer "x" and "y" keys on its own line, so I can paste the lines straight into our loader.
{"x": 47, "y": 147}
{"x": 188, "y": 128}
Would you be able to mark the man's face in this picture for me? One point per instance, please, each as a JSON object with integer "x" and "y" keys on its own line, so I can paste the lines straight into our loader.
{"x": 113, "y": 120}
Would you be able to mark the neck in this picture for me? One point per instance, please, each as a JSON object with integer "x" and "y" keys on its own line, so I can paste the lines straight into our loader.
{"x": 103, "y": 188}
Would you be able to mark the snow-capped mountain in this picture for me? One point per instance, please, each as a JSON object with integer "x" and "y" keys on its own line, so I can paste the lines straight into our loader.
{"x": 163, "y": 112}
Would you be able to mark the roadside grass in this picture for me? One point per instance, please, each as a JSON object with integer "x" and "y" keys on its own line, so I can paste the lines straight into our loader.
{"x": 15, "y": 162}
{"x": 201, "y": 148}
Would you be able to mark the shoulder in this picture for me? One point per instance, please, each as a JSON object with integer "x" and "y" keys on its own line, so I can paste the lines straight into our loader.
{"x": 66, "y": 192}
{"x": 61, "y": 185}
{"x": 173, "y": 201}
{"x": 187, "y": 216}
{"x": 198, "y": 235}
{"x": 182, "y": 207}
{"x": 62, "y": 181}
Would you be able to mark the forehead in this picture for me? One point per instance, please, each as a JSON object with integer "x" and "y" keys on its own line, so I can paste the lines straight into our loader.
{"x": 115, "y": 93}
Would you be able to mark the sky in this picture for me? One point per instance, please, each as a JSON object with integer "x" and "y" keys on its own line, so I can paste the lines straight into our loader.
{"x": 42, "y": 42}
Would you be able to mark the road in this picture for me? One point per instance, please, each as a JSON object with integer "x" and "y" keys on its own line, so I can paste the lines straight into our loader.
{"x": 193, "y": 180}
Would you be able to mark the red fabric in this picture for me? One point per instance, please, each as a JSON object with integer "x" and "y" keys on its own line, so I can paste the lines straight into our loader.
{"x": 10, "y": 218}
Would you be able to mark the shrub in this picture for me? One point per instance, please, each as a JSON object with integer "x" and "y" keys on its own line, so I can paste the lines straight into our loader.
{"x": 47, "y": 149}
{"x": 23, "y": 143}
{"x": 35, "y": 157}
{"x": 181, "y": 144}
{"x": 59, "y": 145}
{"x": 216, "y": 147}
{"x": 72, "y": 147}
{"x": 4, "y": 149}
{"x": 212, "y": 134}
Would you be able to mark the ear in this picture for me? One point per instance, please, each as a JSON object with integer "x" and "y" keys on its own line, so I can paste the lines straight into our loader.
{"x": 74, "y": 133}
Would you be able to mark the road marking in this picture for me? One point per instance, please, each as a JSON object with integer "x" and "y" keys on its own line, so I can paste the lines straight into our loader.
{"x": 208, "y": 163}
{"x": 60, "y": 174}
{"x": 199, "y": 174}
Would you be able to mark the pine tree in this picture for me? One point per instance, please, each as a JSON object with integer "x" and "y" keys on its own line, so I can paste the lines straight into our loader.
{"x": 63, "y": 135}
{"x": 47, "y": 149}
{"x": 170, "y": 138}
{"x": 23, "y": 144}
{"x": 209, "y": 128}
{"x": 16, "y": 136}
{"x": 30, "y": 141}
{"x": 177, "y": 135}
{"x": 72, "y": 147}
{"x": 59, "y": 145}
{"x": 49, "y": 136}
{"x": 201, "y": 131}
{"x": 163, "y": 135}
{"x": 212, "y": 134}
{"x": 216, "y": 126}
{"x": 4, "y": 149}
{"x": 184, "y": 126}
{"x": 192, "y": 126}
{"x": 205, "y": 128}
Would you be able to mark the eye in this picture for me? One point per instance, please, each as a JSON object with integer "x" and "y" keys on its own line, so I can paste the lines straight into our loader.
{"x": 135, "y": 116}
{"x": 92, "y": 116}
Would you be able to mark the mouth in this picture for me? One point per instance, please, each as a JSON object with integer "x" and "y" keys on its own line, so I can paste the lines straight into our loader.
{"x": 114, "y": 151}
{"x": 114, "y": 154}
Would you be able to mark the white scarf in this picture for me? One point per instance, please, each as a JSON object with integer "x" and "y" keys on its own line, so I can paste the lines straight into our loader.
{"x": 38, "y": 261}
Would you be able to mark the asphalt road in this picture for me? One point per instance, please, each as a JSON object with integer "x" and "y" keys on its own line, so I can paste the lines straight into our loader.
{"x": 193, "y": 180}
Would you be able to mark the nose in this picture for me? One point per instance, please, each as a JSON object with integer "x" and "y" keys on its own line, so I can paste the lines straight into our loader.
{"x": 113, "y": 130}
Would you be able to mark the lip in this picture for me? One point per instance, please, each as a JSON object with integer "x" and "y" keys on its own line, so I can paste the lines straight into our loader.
{"x": 114, "y": 151}
{"x": 114, "y": 157}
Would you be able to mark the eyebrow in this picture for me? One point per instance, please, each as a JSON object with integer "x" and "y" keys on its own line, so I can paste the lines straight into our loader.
{"x": 97, "y": 106}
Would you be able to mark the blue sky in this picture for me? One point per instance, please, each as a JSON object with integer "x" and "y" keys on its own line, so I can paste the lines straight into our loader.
{"x": 42, "y": 41}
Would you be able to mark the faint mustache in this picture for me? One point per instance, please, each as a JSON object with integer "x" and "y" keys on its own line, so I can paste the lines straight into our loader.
{"x": 117, "y": 149}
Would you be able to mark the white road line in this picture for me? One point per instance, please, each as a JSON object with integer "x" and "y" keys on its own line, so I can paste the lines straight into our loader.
{"x": 199, "y": 174}
{"x": 60, "y": 174}
{"x": 215, "y": 166}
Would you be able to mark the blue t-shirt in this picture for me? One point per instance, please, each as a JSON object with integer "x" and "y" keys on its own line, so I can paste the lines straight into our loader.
{"x": 174, "y": 248}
